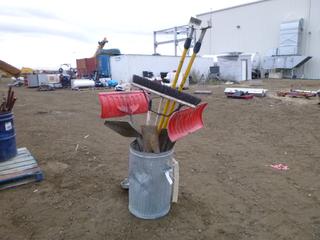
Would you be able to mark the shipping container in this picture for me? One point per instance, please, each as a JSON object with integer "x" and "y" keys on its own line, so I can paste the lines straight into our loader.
{"x": 123, "y": 67}
{"x": 32, "y": 80}
{"x": 104, "y": 65}
{"x": 86, "y": 67}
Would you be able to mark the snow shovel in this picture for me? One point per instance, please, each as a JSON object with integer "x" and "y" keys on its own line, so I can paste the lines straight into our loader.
{"x": 164, "y": 141}
{"x": 119, "y": 104}
{"x": 184, "y": 122}
{"x": 150, "y": 137}
{"x": 125, "y": 129}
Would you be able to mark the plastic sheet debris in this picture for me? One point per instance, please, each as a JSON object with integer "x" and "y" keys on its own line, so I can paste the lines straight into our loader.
{"x": 281, "y": 167}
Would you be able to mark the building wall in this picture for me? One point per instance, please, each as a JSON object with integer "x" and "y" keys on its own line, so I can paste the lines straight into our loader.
{"x": 255, "y": 28}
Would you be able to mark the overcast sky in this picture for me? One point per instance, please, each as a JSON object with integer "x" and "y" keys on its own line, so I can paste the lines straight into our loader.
{"x": 47, "y": 33}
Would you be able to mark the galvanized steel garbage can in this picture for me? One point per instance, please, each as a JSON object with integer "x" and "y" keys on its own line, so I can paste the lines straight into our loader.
{"x": 150, "y": 183}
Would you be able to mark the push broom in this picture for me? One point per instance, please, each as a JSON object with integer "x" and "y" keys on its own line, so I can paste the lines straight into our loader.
{"x": 193, "y": 22}
{"x": 164, "y": 119}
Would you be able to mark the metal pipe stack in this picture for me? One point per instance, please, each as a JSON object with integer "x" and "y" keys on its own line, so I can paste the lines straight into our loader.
{"x": 8, "y": 102}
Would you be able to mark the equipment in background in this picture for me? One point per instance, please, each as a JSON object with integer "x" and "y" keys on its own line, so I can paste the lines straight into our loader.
{"x": 97, "y": 66}
{"x": 297, "y": 94}
{"x": 67, "y": 73}
{"x": 287, "y": 60}
{"x": 77, "y": 84}
{"x": 240, "y": 95}
{"x": 100, "y": 46}
{"x": 257, "y": 92}
{"x": 214, "y": 73}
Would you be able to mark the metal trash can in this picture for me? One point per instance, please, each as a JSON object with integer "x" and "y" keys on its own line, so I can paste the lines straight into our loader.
{"x": 150, "y": 183}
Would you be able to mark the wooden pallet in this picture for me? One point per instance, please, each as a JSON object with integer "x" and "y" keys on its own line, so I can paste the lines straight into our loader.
{"x": 19, "y": 170}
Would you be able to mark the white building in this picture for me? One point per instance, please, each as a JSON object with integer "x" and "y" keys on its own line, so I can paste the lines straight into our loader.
{"x": 255, "y": 28}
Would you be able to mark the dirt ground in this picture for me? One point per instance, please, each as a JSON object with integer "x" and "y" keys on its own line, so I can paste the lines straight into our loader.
{"x": 227, "y": 188}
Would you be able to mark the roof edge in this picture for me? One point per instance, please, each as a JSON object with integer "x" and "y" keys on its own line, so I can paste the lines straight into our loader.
{"x": 228, "y": 8}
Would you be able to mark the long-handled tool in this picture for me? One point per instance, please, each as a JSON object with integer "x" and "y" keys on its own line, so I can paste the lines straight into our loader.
{"x": 125, "y": 129}
{"x": 118, "y": 104}
{"x": 193, "y": 23}
{"x": 168, "y": 93}
{"x": 165, "y": 91}
{"x": 184, "y": 122}
{"x": 150, "y": 138}
{"x": 181, "y": 123}
{"x": 196, "y": 49}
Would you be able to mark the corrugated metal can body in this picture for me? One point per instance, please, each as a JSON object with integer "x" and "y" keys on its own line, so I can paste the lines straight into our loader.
{"x": 150, "y": 188}
{"x": 8, "y": 148}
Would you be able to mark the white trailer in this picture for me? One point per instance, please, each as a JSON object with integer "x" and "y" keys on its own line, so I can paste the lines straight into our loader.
{"x": 123, "y": 67}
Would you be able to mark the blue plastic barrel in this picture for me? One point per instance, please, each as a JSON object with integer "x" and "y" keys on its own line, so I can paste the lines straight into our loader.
{"x": 8, "y": 148}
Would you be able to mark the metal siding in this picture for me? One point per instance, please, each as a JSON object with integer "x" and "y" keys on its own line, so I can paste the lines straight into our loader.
{"x": 260, "y": 28}
{"x": 312, "y": 68}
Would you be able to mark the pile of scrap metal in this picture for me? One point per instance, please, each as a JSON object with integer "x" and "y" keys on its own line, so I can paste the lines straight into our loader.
{"x": 8, "y": 102}
{"x": 240, "y": 95}
{"x": 245, "y": 93}
{"x": 297, "y": 94}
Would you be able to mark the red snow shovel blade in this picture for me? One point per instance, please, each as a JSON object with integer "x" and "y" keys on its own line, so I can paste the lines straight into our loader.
{"x": 118, "y": 104}
{"x": 187, "y": 121}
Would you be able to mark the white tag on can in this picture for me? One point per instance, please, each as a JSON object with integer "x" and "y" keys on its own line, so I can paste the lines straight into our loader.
{"x": 8, "y": 126}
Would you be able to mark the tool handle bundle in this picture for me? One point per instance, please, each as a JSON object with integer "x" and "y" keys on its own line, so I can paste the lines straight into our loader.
{"x": 8, "y": 102}
{"x": 162, "y": 135}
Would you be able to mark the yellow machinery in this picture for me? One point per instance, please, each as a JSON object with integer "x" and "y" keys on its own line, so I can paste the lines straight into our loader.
{"x": 100, "y": 46}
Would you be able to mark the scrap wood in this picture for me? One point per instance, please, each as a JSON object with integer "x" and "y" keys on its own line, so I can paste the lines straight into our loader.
{"x": 297, "y": 94}
{"x": 282, "y": 94}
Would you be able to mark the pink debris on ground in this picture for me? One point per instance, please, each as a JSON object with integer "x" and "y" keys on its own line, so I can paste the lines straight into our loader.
{"x": 280, "y": 166}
